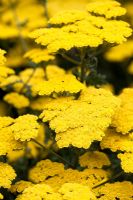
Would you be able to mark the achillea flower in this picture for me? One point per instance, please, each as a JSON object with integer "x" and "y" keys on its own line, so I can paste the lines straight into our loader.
{"x": 70, "y": 191}
{"x": 4, "y": 71}
{"x": 67, "y": 83}
{"x": 116, "y": 141}
{"x": 70, "y": 17}
{"x": 89, "y": 177}
{"x": 121, "y": 52}
{"x": 25, "y": 127}
{"x": 38, "y": 55}
{"x": 80, "y": 122}
{"x": 7, "y": 140}
{"x": 118, "y": 190}
{"x": 39, "y": 191}
{"x": 53, "y": 71}
{"x": 5, "y": 122}
{"x": 126, "y": 161}
{"x": 29, "y": 13}
{"x": 17, "y": 100}
{"x": 10, "y": 80}
{"x": 94, "y": 159}
{"x": 55, "y": 175}
{"x": 44, "y": 169}
{"x": 108, "y": 8}
{"x": 77, "y": 29}
{"x": 123, "y": 118}
{"x": 8, "y": 31}
{"x": 7, "y": 175}
{"x": 20, "y": 186}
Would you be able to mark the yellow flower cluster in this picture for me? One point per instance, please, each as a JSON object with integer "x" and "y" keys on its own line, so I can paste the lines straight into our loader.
{"x": 108, "y": 8}
{"x": 73, "y": 190}
{"x": 120, "y": 52}
{"x": 65, "y": 138}
{"x": 8, "y": 32}
{"x": 126, "y": 161}
{"x": 63, "y": 84}
{"x": 20, "y": 186}
{"x": 7, "y": 140}
{"x": 55, "y": 175}
{"x": 80, "y": 122}
{"x": 122, "y": 143}
{"x": 82, "y": 29}
{"x": 66, "y": 192}
{"x": 123, "y": 117}
{"x": 31, "y": 79}
{"x": 38, "y": 55}
{"x": 26, "y": 16}
{"x": 58, "y": 5}
{"x": 22, "y": 128}
{"x": 17, "y": 100}
{"x": 94, "y": 159}
{"x": 116, "y": 141}
{"x": 39, "y": 103}
{"x": 4, "y": 71}
{"x": 25, "y": 127}
{"x": 7, "y": 175}
{"x": 53, "y": 71}
{"x": 33, "y": 149}
{"x": 118, "y": 190}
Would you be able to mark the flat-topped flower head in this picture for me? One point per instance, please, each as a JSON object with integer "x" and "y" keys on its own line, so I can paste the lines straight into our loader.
{"x": 4, "y": 71}
{"x": 121, "y": 52}
{"x": 126, "y": 161}
{"x": 117, "y": 141}
{"x": 38, "y": 55}
{"x": 25, "y": 127}
{"x": 117, "y": 190}
{"x": 68, "y": 17}
{"x": 55, "y": 175}
{"x": 80, "y": 122}
{"x": 17, "y": 100}
{"x": 77, "y": 29}
{"x": 95, "y": 159}
{"x": 123, "y": 118}
{"x": 59, "y": 84}
{"x": 7, "y": 140}
{"x": 44, "y": 169}
{"x": 7, "y": 175}
{"x": 20, "y": 186}
{"x": 70, "y": 191}
{"x": 29, "y": 14}
{"x": 38, "y": 192}
{"x": 109, "y": 9}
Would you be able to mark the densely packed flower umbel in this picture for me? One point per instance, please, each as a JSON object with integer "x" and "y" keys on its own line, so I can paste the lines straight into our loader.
{"x": 66, "y": 100}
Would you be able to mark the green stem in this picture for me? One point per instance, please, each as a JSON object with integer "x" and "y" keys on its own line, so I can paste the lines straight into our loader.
{"x": 107, "y": 181}
{"x": 82, "y": 65}
{"x": 70, "y": 59}
{"x": 54, "y": 153}
{"x": 28, "y": 80}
